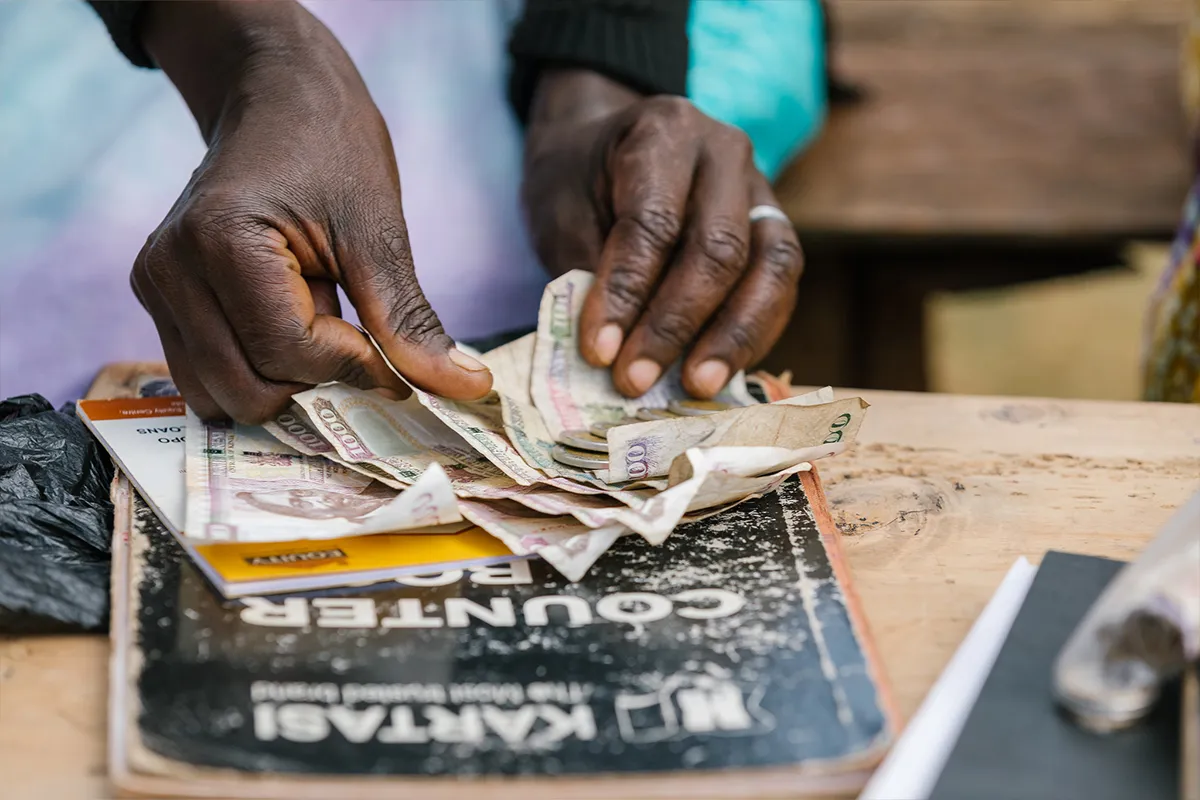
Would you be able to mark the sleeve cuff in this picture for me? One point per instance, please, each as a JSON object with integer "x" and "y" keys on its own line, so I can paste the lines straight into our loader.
{"x": 123, "y": 18}
{"x": 641, "y": 43}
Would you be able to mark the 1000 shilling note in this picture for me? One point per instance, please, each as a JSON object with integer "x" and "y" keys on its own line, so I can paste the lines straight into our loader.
{"x": 295, "y": 429}
{"x": 646, "y": 449}
{"x": 400, "y": 438}
{"x": 244, "y": 485}
{"x": 571, "y": 394}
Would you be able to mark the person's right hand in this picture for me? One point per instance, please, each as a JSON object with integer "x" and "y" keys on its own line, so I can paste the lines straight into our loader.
{"x": 298, "y": 194}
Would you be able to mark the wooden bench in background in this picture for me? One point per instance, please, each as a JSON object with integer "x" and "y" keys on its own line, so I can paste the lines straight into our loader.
{"x": 1000, "y": 141}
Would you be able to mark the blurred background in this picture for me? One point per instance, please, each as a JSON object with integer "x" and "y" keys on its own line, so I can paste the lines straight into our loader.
{"x": 985, "y": 189}
{"x": 993, "y": 213}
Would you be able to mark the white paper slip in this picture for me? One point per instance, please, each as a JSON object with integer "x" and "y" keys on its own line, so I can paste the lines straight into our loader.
{"x": 145, "y": 436}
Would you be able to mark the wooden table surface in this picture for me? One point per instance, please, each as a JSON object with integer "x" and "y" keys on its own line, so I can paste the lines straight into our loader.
{"x": 939, "y": 497}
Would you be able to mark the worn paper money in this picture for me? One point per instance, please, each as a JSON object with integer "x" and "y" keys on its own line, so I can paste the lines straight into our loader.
{"x": 647, "y": 449}
{"x": 571, "y": 394}
{"x": 244, "y": 485}
{"x": 564, "y": 542}
{"x": 495, "y": 454}
{"x": 511, "y": 367}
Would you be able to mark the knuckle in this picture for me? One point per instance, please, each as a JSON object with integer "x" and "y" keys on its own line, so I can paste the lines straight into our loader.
{"x": 625, "y": 289}
{"x": 414, "y": 320}
{"x": 735, "y": 140}
{"x": 724, "y": 250}
{"x": 145, "y": 254}
{"x": 672, "y": 107}
{"x": 672, "y": 328}
{"x": 784, "y": 261}
{"x": 216, "y": 222}
{"x": 657, "y": 225}
{"x": 663, "y": 117}
{"x": 156, "y": 257}
{"x": 135, "y": 286}
{"x": 744, "y": 337}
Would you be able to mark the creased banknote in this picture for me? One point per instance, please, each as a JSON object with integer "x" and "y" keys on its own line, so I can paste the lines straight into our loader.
{"x": 498, "y": 455}
{"x": 511, "y": 365}
{"x": 647, "y": 449}
{"x": 481, "y": 424}
{"x": 711, "y": 478}
{"x": 245, "y": 485}
{"x": 715, "y": 480}
{"x": 296, "y": 430}
{"x": 571, "y": 394}
{"x": 401, "y": 438}
{"x": 564, "y": 542}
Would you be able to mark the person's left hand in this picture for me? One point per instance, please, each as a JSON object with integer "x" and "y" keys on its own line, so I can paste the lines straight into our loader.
{"x": 655, "y": 198}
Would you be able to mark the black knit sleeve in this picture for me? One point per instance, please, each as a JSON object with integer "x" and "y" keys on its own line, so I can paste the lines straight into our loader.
{"x": 122, "y": 18}
{"x": 641, "y": 43}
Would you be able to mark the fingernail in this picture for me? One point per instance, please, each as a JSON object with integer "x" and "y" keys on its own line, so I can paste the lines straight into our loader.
{"x": 643, "y": 373}
{"x": 711, "y": 376}
{"x": 469, "y": 363}
{"x": 608, "y": 343}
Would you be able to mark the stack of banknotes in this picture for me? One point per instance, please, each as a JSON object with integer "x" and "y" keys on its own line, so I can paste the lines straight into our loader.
{"x": 553, "y": 462}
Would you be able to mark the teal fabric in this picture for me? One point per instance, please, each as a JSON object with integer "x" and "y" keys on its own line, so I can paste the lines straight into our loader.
{"x": 760, "y": 65}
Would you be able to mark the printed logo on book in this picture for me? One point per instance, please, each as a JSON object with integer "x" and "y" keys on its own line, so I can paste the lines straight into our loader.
{"x": 689, "y": 703}
{"x": 311, "y": 558}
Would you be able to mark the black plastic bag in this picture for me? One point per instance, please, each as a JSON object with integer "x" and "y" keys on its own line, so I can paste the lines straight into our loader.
{"x": 55, "y": 520}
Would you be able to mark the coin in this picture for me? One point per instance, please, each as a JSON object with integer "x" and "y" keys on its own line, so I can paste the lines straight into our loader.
{"x": 697, "y": 408}
{"x": 579, "y": 458}
{"x": 652, "y": 414}
{"x": 601, "y": 429}
{"x": 584, "y": 440}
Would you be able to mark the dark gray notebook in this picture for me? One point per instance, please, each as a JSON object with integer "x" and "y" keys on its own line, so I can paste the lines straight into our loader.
{"x": 1016, "y": 745}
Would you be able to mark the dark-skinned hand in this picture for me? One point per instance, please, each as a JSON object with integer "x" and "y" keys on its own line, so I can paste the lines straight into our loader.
{"x": 654, "y": 197}
{"x": 298, "y": 194}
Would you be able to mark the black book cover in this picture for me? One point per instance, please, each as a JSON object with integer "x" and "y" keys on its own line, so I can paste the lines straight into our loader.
{"x": 733, "y": 645}
{"x": 1016, "y": 744}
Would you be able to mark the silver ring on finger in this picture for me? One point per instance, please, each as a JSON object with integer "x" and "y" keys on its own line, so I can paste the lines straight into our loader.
{"x": 760, "y": 213}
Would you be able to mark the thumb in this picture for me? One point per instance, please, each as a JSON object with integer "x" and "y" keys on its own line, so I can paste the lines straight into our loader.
{"x": 381, "y": 283}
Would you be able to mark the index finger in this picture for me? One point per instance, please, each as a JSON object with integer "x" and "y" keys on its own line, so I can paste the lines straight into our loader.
{"x": 651, "y": 177}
